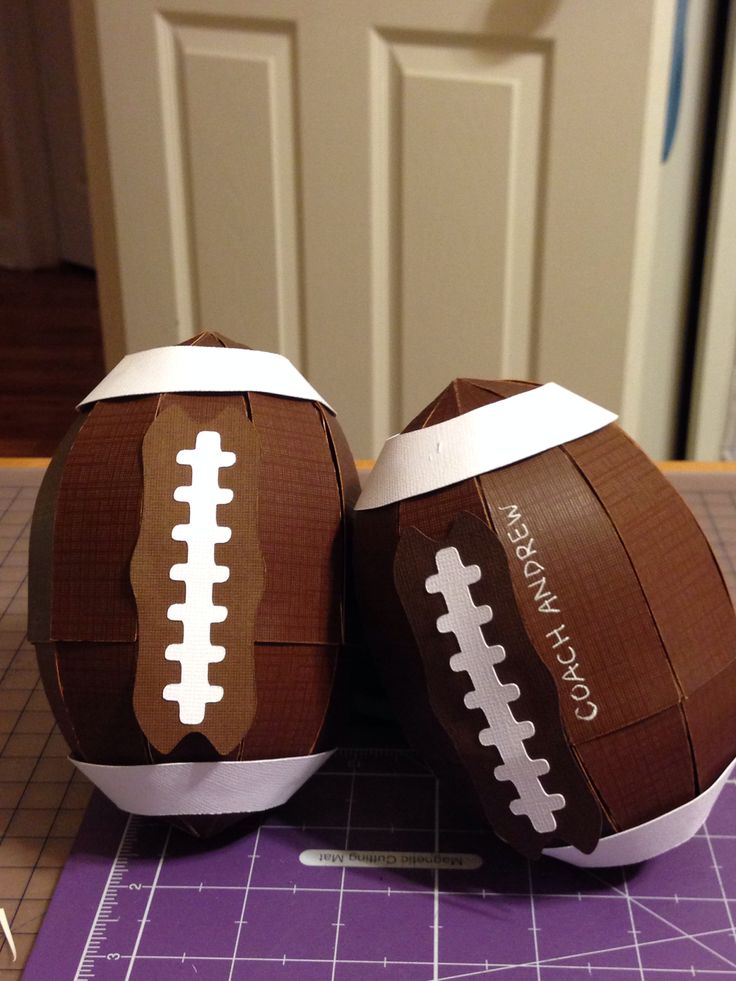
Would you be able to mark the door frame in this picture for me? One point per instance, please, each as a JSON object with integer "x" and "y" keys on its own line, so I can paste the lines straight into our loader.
{"x": 28, "y": 238}
{"x": 712, "y": 422}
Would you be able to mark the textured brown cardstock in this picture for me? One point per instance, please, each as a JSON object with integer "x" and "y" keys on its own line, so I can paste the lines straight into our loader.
{"x": 642, "y": 770}
{"x": 641, "y": 504}
{"x": 295, "y": 684}
{"x": 300, "y": 509}
{"x": 48, "y": 668}
{"x": 391, "y": 642}
{"x": 579, "y": 821}
{"x": 178, "y": 425}
{"x": 349, "y": 485}
{"x": 710, "y": 715}
{"x": 96, "y": 682}
{"x": 96, "y": 525}
{"x": 587, "y": 590}
{"x": 343, "y": 460}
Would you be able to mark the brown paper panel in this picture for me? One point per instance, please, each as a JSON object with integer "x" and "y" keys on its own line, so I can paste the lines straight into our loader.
{"x": 671, "y": 556}
{"x": 294, "y": 685}
{"x": 48, "y": 669}
{"x": 499, "y": 388}
{"x": 434, "y": 514}
{"x": 180, "y": 419}
{"x": 590, "y": 581}
{"x": 97, "y": 685}
{"x": 352, "y": 660}
{"x": 710, "y": 718}
{"x": 642, "y": 771}
{"x": 426, "y": 416}
{"x": 337, "y": 699}
{"x": 578, "y": 822}
{"x": 300, "y": 524}
{"x": 461, "y": 395}
{"x": 211, "y": 338}
{"x": 392, "y": 645}
{"x": 349, "y": 489}
{"x": 97, "y": 519}
{"x": 41, "y": 546}
{"x": 343, "y": 458}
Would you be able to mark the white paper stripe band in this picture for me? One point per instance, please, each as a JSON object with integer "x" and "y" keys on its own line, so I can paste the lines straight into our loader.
{"x": 224, "y": 787}
{"x": 651, "y": 839}
{"x": 483, "y": 439}
{"x": 203, "y": 369}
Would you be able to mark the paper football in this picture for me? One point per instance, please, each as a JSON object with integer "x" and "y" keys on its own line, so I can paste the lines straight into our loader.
{"x": 187, "y": 581}
{"x": 550, "y": 621}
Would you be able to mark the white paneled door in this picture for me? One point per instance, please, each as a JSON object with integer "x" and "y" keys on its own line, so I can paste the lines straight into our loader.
{"x": 390, "y": 192}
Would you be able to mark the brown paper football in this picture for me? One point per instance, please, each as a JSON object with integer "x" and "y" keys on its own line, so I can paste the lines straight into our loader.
{"x": 617, "y": 631}
{"x": 109, "y": 563}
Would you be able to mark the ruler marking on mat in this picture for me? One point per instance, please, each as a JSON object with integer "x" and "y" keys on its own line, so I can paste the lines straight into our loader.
{"x": 120, "y": 861}
{"x": 241, "y": 918}
{"x": 146, "y": 911}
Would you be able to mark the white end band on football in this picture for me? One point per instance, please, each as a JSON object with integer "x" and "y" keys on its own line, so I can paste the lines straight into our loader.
{"x": 204, "y": 369}
{"x": 222, "y": 787}
{"x": 483, "y": 439}
{"x": 648, "y": 840}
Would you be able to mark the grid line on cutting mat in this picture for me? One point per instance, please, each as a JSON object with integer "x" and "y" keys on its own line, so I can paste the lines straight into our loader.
{"x": 368, "y": 923}
{"x": 603, "y": 901}
{"x": 41, "y": 803}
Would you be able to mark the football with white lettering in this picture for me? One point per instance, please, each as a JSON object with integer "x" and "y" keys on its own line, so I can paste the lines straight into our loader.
{"x": 187, "y": 582}
{"x": 550, "y": 622}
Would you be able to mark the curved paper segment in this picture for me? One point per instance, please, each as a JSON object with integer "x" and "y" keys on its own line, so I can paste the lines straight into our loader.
{"x": 648, "y": 840}
{"x": 475, "y": 442}
{"x": 224, "y": 787}
{"x": 203, "y": 369}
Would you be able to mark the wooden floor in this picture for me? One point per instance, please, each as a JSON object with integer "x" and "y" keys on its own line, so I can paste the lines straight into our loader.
{"x": 50, "y": 355}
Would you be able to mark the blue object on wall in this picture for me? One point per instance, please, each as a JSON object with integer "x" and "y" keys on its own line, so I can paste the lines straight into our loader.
{"x": 677, "y": 72}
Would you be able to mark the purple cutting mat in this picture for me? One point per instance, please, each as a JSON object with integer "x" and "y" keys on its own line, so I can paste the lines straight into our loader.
{"x": 139, "y": 901}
